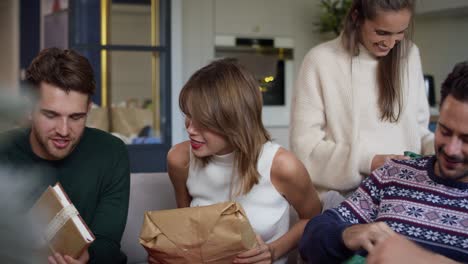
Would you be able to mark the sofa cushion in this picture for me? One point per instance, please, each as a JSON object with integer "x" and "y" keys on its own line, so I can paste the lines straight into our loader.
{"x": 148, "y": 192}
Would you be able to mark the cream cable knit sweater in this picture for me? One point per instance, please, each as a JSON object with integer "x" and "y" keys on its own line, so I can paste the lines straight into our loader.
{"x": 336, "y": 128}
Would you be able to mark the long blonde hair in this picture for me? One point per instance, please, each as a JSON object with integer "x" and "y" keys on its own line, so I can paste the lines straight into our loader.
{"x": 225, "y": 98}
{"x": 389, "y": 67}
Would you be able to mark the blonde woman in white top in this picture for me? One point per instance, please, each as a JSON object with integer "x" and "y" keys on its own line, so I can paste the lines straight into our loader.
{"x": 230, "y": 157}
{"x": 359, "y": 99}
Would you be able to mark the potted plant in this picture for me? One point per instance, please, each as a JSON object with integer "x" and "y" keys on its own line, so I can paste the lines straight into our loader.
{"x": 332, "y": 16}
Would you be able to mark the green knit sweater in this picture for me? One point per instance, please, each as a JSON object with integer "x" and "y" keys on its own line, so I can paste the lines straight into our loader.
{"x": 95, "y": 176}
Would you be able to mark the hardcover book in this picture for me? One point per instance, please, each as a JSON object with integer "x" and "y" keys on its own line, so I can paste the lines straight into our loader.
{"x": 61, "y": 228}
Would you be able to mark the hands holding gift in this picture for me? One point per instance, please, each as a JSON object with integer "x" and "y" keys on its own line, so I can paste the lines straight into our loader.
{"x": 386, "y": 246}
{"x": 259, "y": 254}
{"x": 60, "y": 259}
{"x": 398, "y": 249}
{"x": 366, "y": 236}
{"x": 262, "y": 253}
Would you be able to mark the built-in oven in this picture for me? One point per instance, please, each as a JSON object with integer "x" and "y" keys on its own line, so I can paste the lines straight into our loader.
{"x": 271, "y": 62}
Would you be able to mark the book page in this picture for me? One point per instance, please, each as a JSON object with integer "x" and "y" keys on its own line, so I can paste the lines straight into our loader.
{"x": 83, "y": 230}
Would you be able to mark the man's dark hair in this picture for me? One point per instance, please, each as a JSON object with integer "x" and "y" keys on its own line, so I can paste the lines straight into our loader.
{"x": 65, "y": 69}
{"x": 456, "y": 83}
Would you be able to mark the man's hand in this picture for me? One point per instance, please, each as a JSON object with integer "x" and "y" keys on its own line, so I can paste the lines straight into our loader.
{"x": 259, "y": 254}
{"x": 365, "y": 236}
{"x": 59, "y": 259}
{"x": 379, "y": 160}
{"x": 397, "y": 249}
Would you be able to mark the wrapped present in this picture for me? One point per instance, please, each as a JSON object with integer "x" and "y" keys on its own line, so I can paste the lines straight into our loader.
{"x": 205, "y": 234}
{"x": 60, "y": 226}
{"x": 356, "y": 259}
{"x": 412, "y": 155}
{"x": 98, "y": 118}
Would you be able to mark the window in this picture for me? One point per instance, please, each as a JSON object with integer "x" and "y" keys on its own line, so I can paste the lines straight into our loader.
{"x": 131, "y": 57}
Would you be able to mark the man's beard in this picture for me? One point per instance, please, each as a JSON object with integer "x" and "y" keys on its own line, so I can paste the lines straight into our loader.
{"x": 442, "y": 154}
{"x": 44, "y": 146}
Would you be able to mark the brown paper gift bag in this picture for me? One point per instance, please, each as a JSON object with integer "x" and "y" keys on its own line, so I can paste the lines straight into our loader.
{"x": 98, "y": 118}
{"x": 130, "y": 121}
{"x": 205, "y": 234}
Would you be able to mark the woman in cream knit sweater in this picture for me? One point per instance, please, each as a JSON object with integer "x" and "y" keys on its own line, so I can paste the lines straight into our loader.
{"x": 360, "y": 99}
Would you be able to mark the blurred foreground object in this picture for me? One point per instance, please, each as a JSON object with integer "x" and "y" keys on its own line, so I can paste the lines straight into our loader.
{"x": 19, "y": 242}
{"x": 18, "y": 239}
{"x": 60, "y": 223}
{"x": 13, "y": 111}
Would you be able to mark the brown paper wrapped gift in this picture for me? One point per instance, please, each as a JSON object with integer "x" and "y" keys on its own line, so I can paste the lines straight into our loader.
{"x": 205, "y": 234}
{"x": 60, "y": 224}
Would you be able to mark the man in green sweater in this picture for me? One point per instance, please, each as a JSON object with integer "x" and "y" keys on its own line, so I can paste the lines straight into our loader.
{"x": 91, "y": 165}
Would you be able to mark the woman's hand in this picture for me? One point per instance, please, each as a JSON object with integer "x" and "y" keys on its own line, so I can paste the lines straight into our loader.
{"x": 261, "y": 254}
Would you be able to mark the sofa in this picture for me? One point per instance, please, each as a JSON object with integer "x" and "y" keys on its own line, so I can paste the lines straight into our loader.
{"x": 154, "y": 191}
{"x": 148, "y": 192}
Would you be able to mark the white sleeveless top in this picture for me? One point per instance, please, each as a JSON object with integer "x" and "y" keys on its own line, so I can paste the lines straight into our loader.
{"x": 266, "y": 208}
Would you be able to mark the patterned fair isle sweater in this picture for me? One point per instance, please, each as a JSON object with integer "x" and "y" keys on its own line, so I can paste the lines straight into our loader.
{"x": 429, "y": 210}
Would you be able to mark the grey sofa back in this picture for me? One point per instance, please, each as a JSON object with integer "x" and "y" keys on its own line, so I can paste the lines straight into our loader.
{"x": 148, "y": 192}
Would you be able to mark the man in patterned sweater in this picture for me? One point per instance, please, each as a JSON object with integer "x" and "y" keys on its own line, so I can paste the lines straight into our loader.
{"x": 422, "y": 200}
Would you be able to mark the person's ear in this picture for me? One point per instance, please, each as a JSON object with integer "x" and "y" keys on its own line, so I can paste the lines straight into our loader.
{"x": 90, "y": 104}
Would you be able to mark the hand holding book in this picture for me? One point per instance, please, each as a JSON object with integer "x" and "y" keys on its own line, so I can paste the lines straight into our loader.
{"x": 59, "y": 259}
{"x": 61, "y": 227}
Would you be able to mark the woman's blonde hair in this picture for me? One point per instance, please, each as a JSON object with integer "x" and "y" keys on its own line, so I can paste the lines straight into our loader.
{"x": 225, "y": 98}
{"x": 389, "y": 67}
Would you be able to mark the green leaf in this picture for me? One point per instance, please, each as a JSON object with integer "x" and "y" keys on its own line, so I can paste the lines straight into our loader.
{"x": 332, "y": 16}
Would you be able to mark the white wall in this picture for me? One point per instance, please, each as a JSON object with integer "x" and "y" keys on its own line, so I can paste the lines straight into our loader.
{"x": 198, "y": 35}
{"x": 439, "y": 6}
{"x": 9, "y": 45}
{"x": 443, "y": 41}
{"x": 177, "y": 123}
{"x": 203, "y": 19}
{"x": 192, "y": 47}
{"x": 441, "y": 34}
